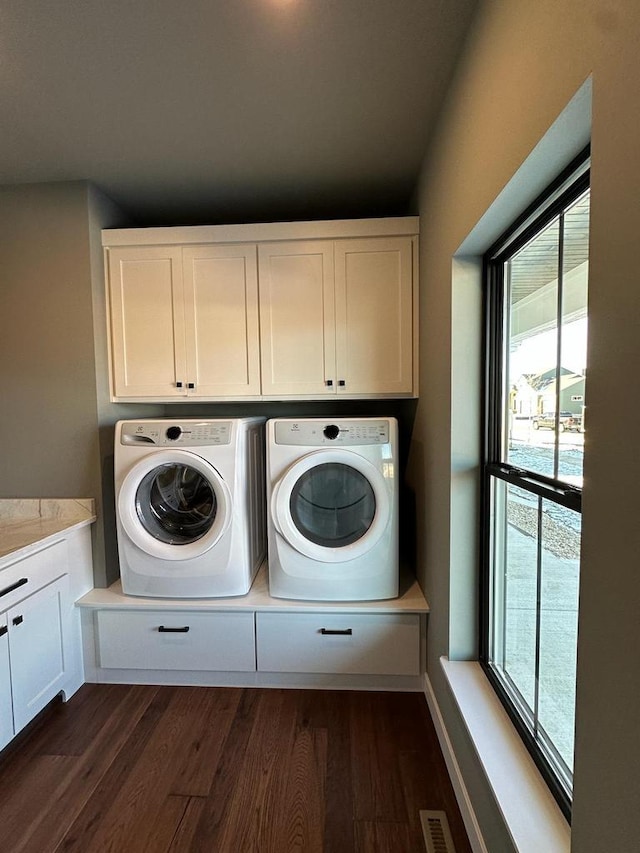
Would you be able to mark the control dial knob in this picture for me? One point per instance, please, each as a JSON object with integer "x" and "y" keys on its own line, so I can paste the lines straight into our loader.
{"x": 173, "y": 433}
{"x": 331, "y": 431}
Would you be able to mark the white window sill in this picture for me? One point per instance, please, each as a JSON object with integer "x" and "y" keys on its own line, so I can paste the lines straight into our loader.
{"x": 530, "y": 812}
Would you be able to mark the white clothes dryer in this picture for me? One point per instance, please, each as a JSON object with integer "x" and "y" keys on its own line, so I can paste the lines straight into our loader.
{"x": 190, "y": 506}
{"x": 332, "y": 495}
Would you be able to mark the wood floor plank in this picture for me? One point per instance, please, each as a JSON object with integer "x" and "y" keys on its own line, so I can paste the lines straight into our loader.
{"x": 207, "y": 836}
{"x": 142, "y": 769}
{"x": 167, "y": 756}
{"x": 377, "y": 785}
{"x": 384, "y": 837}
{"x": 254, "y": 803}
{"x": 296, "y": 811}
{"x": 328, "y": 711}
{"x": 210, "y": 718}
{"x": 41, "y": 830}
{"x": 184, "y": 837}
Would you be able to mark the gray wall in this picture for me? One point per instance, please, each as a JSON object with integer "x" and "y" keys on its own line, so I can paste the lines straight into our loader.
{"x": 55, "y": 417}
{"x": 522, "y": 66}
{"x": 47, "y": 419}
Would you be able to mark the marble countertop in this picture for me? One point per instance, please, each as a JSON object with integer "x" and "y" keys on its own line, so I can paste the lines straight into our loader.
{"x": 28, "y": 522}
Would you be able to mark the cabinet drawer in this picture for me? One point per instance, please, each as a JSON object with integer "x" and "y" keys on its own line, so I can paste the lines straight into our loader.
{"x": 25, "y": 576}
{"x": 356, "y": 643}
{"x": 216, "y": 642}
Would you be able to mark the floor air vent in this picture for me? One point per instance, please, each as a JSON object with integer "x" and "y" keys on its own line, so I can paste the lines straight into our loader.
{"x": 437, "y": 835}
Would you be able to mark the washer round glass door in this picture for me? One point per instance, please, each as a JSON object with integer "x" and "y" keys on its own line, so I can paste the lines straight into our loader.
{"x": 331, "y": 505}
{"x": 174, "y": 505}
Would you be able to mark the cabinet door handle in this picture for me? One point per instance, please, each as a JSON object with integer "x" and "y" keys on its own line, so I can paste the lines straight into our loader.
{"x": 17, "y": 620}
{"x": 3, "y": 630}
{"x": 178, "y": 384}
{"x": 164, "y": 630}
{"x": 341, "y": 383}
{"x": 13, "y": 586}
{"x": 344, "y": 632}
{"x": 191, "y": 384}
{"x": 329, "y": 383}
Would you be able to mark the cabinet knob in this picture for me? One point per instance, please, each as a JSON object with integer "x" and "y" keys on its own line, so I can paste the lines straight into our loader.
{"x": 329, "y": 383}
{"x": 3, "y": 630}
{"x": 178, "y": 384}
{"x": 17, "y": 620}
{"x": 191, "y": 384}
{"x": 341, "y": 382}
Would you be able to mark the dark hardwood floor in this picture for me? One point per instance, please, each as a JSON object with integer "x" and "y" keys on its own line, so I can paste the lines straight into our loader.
{"x": 217, "y": 770}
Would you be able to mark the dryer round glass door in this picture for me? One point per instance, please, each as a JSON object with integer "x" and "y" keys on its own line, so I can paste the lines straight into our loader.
{"x": 174, "y": 505}
{"x": 332, "y": 506}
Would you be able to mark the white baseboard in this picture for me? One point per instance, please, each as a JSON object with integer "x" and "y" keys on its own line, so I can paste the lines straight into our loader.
{"x": 462, "y": 795}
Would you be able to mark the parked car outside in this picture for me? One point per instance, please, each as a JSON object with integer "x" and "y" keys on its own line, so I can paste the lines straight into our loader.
{"x": 566, "y": 421}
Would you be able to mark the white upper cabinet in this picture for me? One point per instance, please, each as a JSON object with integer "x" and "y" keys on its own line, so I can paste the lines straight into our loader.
{"x": 184, "y": 322}
{"x": 336, "y": 317}
{"x": 309, "y": 310}
{"x": 147, "y": 321}
{"x": 221, "y": 317}
{"x": 297, "y": 318}
{"x": 374, "y": 316}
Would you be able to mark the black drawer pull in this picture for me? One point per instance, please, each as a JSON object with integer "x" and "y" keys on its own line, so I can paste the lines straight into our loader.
{"x": 341, "y": 383}
{"x": 3, "y": 630}
{"x": 164, "y": 630}
{"x": 345, "y": 632}
{"x": 13, "y": 586}
{"x": 17, "y": 620}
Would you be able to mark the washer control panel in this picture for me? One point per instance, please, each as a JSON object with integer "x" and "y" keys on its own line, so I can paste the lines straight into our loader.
{"x": 176, "y": 433}
{"x": 341, "y": 433}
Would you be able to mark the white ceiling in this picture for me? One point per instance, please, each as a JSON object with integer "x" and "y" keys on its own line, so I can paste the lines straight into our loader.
{"x": 206, "y": 111}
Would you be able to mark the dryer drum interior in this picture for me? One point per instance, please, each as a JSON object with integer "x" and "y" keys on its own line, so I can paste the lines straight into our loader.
{"x": 176, "y": 504}
{"x": 332, "y": 505}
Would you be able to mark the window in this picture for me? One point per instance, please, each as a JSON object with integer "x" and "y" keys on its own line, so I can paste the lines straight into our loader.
{"x": 535, "y": 428}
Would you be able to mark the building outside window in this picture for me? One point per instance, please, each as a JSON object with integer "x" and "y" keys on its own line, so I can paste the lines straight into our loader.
{"x": 536, "y": 429}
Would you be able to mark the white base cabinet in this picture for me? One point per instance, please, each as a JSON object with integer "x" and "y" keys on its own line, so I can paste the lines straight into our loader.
{"x": 353, "y": 643}
{"x": 255, "y": 640}
{"x": 40, "y": 637}
{"x": 6, "y": 705}
{"x": 38, "y": 650}
{"x": 176, "y": 640}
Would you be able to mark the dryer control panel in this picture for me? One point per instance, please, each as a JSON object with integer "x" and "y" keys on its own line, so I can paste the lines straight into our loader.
{"x": 341, "y": 433}
{"x": 177, "y": 433}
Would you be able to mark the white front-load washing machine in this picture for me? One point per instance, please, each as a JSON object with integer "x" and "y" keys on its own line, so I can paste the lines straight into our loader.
{"x": 332, "y": 495}
{"x": 190, "y": 506}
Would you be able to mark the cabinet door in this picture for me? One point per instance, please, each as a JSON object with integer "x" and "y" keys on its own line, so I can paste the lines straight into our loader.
{"x": 297, "y": 318}
{"x": 221, "y": 317}
{"x": 374, "y": 315}
{"x": 6, "y": 710}
{"x": 37, "y": 650}
{"x": 147, "y": 321}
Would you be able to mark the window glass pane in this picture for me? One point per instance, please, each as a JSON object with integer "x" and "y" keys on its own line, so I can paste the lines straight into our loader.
{"x": 532, "y": 353}
{"x": 561, "y": 529}
{"x": 515, "y": 550}
{"x": 575, "y": 255}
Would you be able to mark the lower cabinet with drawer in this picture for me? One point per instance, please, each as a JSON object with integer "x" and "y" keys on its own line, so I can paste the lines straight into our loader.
{"x": 34, "y": 636}
{"x": 176, "y": 640}
{"x": 255, "y": 641}
{"x": 349, "y": 643}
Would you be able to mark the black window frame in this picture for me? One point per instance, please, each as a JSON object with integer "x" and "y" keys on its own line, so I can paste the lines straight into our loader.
{"x": 573, "y": 182}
